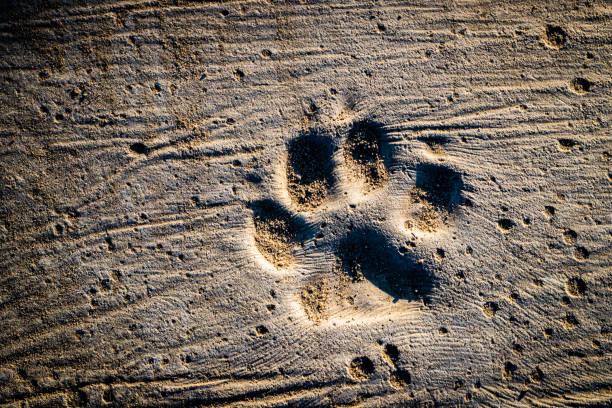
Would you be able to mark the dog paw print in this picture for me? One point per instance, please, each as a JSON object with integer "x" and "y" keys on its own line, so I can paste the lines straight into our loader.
{"x": 335, "y": 202}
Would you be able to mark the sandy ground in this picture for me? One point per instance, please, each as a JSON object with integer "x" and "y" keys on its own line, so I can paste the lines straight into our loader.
{"x": 305, "y": 203}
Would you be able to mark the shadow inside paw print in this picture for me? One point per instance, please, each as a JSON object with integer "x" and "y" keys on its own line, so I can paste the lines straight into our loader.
{"x": 365, "y": 155}
{"x": 440, "y": 185}
{"x": 309, "y": 169}
{"x": 437, "y": 195}
{"x": 366, "y": 253}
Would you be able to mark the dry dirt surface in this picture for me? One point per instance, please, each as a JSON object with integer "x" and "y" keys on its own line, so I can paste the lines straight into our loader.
{"x": 305, "y": 203}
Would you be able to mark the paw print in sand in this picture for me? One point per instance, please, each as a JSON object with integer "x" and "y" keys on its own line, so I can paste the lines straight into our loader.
{"x": 334, "y": 226}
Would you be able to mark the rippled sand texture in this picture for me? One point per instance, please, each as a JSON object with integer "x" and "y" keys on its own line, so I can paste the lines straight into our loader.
{"x": 305, "y": 204}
